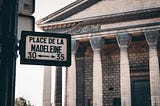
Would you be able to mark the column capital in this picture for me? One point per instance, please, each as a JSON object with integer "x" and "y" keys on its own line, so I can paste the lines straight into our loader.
{"x": 75, "y": 45}
{"x": 96, "y": 42}
{"x": 123, "y": 39}
{"x": 151, "y": 37}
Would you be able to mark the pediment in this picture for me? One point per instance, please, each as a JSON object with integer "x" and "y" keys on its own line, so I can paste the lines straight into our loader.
{"x": 110, "y": 7}
{"x": 88, "y": 9}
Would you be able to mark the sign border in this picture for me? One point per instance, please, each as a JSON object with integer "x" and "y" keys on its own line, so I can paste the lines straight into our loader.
{"x": 22, "y": 50}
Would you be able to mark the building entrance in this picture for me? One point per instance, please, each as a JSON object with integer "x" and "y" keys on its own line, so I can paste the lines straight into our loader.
{"x": 141, "y": 93}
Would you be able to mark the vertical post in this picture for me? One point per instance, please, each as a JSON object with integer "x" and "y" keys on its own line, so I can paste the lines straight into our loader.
{"x": 124, "y": 40}
{"x": 47, "y": 86}
{"x": 152, "y": 39}
{"x": 96, "y": 43}
{"x": 71, "y": 77}
{"x": 8, "y": 52}
{"x": 58, "y": 87}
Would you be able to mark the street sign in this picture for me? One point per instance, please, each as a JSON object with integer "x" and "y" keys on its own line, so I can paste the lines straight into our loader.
{"x": 41, "y": 48}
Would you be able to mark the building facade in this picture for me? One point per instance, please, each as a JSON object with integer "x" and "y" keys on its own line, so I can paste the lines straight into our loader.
{"x": 115, "y": 51}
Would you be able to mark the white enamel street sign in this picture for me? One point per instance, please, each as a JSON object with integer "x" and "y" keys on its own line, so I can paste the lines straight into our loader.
{"x": 45, "y": 48}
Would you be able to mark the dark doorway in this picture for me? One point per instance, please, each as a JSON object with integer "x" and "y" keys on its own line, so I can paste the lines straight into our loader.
{"x": 141, "y": 93}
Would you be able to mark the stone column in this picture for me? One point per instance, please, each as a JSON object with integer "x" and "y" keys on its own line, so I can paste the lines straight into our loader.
{"x": 47, "y": 86}
{"x": 96, "y": 43}
{"x": 71, "y": 77}
{"x": 152, "y": 38}
{"x": 123, "y": 40}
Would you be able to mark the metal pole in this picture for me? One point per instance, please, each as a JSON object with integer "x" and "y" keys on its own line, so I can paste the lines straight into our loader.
{"x": 8, "y": 41}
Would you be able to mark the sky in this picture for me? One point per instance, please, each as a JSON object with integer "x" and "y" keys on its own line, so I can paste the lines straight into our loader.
{"x": 29, "y": 78}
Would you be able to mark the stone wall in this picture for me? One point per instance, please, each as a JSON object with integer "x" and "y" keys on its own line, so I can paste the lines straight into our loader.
{"x": 111, "y": 74}
{"x": 138, "y": 55}
{"x": 88, "y": 77}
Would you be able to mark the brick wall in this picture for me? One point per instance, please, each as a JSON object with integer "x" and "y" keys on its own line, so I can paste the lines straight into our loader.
{"x": 111, "y": 75}
{"x": 138, "y": 55}
{"x": 88, "y": 77}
